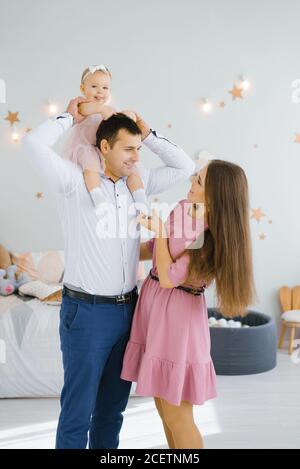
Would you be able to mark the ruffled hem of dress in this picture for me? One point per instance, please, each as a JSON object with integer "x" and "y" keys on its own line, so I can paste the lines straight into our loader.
{"x": 174, "y": 382}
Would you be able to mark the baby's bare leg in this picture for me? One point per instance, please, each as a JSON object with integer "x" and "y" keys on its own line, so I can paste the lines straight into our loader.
{"x": 134, "y": 182}
{"x": 92, "y": 179}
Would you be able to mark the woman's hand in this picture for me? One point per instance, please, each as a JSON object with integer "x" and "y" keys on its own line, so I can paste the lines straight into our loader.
{"x": 153, "y": 223}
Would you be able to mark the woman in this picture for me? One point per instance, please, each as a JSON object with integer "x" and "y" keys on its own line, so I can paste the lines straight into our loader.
{"x": 168, "y": 353}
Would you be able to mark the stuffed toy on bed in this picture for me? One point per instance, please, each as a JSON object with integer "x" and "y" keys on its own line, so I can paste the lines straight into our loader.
{"x": 5, "y": 259}
{"x": 9, "y": 282}
{"x": 10, "y": 278}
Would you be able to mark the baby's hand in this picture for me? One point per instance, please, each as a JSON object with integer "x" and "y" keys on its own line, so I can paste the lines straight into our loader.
{"x": 89, "y": 107}
{"x": 73, "y": 108}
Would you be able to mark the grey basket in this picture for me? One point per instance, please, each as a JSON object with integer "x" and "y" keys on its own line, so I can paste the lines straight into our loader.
{"x": 244, "y": 351}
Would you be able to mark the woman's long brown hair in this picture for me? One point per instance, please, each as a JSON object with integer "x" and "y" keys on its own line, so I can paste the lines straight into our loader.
{"x": 226, "y": 254}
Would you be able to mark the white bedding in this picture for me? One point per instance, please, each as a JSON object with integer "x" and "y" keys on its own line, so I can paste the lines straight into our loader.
{"x": 30, "y": 349}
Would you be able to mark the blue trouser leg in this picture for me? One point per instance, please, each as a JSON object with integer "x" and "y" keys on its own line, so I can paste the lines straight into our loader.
{"x": 112, "y": 397}
{"x": 89, "y": 334}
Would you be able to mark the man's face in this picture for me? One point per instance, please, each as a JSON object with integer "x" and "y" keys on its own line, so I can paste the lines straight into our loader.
{"x": 120, "y": 158}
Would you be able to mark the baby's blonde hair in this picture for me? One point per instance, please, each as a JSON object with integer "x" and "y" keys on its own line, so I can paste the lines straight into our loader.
{"x": 87, "y": 70}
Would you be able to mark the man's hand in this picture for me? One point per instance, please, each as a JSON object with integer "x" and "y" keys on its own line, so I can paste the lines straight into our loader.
{"x": 107, "y": 111}
{"x": 73, "y": 108}
{"x": 142, "y": 125}
{"x": 129, "y": 114}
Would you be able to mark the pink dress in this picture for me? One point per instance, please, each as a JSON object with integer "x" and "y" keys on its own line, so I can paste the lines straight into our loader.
{"x": 168, "y": 354}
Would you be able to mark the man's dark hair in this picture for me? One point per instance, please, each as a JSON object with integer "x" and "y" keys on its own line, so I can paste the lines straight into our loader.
{"x": 109, "y": 128}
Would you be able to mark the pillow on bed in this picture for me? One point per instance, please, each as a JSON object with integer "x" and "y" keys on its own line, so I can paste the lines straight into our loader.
{"x": 46, "y": 266}
{"x": 54, "y": 299}
{"x": 40, "y": 290}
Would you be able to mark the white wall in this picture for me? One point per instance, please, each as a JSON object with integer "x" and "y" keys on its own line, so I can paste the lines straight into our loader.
{"x": 164, "y": 55}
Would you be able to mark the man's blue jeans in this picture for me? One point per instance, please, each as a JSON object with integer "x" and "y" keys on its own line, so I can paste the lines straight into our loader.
{"x": 93, "y": 341}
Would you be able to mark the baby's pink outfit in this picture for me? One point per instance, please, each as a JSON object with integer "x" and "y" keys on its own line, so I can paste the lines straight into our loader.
{"x": 80, "y": 147}
{"x": 168, "y": 353}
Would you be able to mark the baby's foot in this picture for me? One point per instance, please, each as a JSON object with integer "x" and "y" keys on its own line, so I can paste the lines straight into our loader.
{"x": 97, "y": 196}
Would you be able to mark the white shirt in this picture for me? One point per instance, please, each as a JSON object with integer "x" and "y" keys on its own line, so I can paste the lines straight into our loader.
{"x": 99, "y": 266}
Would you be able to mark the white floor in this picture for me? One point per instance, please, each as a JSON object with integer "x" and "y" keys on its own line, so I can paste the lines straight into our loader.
{"x": 258, "y": 411}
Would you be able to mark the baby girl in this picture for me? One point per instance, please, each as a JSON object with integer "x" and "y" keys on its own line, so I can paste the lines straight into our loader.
{"x": 80, "y": 147}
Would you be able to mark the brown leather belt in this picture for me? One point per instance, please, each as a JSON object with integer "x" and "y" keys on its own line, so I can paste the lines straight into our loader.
{"x": 192, "y": 291}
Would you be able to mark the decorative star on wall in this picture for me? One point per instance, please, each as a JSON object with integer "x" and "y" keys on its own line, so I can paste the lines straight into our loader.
{"x": 257, "y": 214}
{"x": 39, "y": 195}
{"x": 222, "y": 104}
{"x": 236, "y": 92}
{"x": 262, "y": 236}
{"x": 12, "y": 117}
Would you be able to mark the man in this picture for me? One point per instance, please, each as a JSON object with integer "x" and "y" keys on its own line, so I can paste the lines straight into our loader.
{"x": 100, "y": 293}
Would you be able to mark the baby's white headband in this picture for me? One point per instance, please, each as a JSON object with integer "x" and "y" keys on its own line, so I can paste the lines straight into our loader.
{"x": 93, "y": 69}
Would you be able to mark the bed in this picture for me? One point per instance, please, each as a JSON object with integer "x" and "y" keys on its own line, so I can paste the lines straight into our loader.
{"x": 30, "y": 357}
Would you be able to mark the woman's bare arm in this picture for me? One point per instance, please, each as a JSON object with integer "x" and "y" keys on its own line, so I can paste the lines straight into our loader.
{"x": 163, "y": 256}
{"x": 145, "y": 253}
{"x": 163, "y": 259}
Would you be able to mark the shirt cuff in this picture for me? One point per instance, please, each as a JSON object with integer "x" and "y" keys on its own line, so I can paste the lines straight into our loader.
{"x": 65, "y": 119}
{"x": 152, "y": 141}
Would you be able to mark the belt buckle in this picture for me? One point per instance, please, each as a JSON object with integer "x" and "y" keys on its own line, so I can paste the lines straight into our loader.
{"x": 121, "y": 299}
{"x": 194, "y": 291}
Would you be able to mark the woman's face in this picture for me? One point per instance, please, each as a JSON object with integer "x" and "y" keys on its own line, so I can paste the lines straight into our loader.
{"x": 97, "y": 87}
{"x": 197, "y": 190}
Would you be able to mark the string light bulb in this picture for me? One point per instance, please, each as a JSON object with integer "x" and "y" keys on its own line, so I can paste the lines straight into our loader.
{"x": 15, "y": 136}
{"x": 52, "y": 107}
{"x": 244, "y": 83}
{"x": 206, "y": 106}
